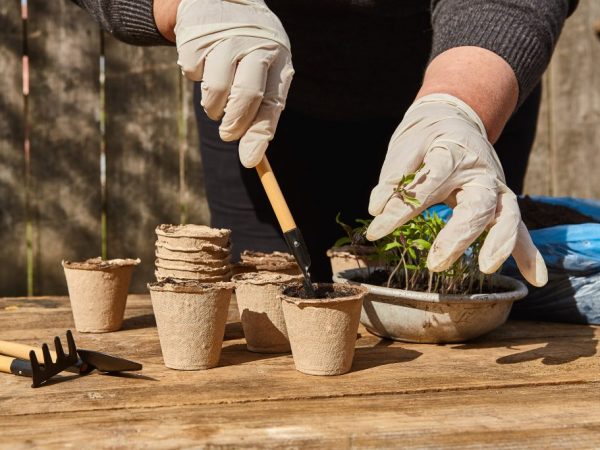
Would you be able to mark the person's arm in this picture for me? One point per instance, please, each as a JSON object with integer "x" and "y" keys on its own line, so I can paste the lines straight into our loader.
{"x": 491, "y": 54}
{"x": 165, "y": 15}
{"x": 487, "y": 57}
{"x": 478, "y": 77}
{"x": 130, "y": 21}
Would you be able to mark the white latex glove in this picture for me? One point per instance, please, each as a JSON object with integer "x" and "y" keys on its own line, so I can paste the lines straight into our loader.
{"x": 241, "y": 53}
{"x": 461, "y": 169}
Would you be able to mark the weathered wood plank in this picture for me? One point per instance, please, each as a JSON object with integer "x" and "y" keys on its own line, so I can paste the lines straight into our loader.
{"x": 549, "y": 417}
{"x": 142, "y": 147}
{"x": 538, "y": 180}
{"x": 520, "y": 354}
{"x": 64, "y": 48}
{"x": 13, "y": 275}
{"x": 575, "y": 103}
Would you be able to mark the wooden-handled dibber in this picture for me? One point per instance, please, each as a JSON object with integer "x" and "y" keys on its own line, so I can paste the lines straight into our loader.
{"x": 291, "y": 233}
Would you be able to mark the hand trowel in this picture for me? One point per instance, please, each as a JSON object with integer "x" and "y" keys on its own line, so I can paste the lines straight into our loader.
{"x": 291, "y": 233}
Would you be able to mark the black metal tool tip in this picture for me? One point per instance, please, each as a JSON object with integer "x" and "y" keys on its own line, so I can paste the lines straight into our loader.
{"x": 297, "y": 246}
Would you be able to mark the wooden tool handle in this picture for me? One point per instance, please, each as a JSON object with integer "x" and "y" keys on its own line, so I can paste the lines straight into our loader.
{"x": 21, "y": 351}
{"x": 269, "y": 182}
{"x": 5, "y": 362}
{"x": 15, "y": 366}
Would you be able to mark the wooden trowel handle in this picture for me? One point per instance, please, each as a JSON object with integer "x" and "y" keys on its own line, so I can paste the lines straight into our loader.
{"x": 21, "y": 351}
{"x": 15, "y": 366}
{"x": 269, "y": 182}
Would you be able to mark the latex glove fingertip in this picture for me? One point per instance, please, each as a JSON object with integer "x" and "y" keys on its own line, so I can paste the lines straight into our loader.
{"x": 251, "y": 156}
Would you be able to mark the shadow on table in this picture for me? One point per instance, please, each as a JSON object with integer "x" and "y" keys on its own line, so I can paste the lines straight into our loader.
{"x": 382, "y": 354}
{"x": 553, "y": 351}
{"x": 131, "y": 375}
{"x": 233, "y": 331}
{"x": 139, "y": 322}
{"x": 238, "y": 354}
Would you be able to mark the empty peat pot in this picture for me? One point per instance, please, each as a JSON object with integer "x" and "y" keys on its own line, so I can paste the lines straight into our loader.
{"x": 260, "y": 310}
{"x": 432, "y": 318}
{"x": 322, "y": 331}
{"x": 351, "y": 257}
{"x": 190, "y": 318}
{"x": 98, "y": 292}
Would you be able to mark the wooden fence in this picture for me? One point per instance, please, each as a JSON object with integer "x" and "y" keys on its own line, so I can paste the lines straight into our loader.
{"x": 99, "y": 145}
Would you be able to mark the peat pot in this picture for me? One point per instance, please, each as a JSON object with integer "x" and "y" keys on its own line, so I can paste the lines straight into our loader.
{"x": 351, "y": 257}
{"x": 190, "y": 318}
{"x": 322, "y": 331}
{"x": 413, "y": 316}
{"x": 260, "y": 310}
{"x": 98, "y": 292}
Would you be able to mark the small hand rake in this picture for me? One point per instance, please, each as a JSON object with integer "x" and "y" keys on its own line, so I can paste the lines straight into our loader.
{"x": 41, "y": 373}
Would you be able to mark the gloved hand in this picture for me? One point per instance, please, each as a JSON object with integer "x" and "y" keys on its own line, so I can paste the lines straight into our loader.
{"x": 241, "y": 53}
{"x": 461, "y": 169}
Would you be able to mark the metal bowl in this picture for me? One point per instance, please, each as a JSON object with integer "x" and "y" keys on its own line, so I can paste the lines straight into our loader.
{"x": 433, "y": 318}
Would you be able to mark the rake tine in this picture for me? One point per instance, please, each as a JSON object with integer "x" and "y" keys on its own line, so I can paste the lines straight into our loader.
{"x": 71, "y": 344}
{"x": 36, "y": 374}
{"x": 47, "y": 357}
{"x": 42, "y": 372}
{"x": 60, "y": 354}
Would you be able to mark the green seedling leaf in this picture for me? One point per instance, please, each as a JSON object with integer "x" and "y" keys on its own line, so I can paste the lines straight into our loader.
{"x": 421, "y": 244}
{"x": 391, "y": 246}
{"x": 412, "y": 253}
{"x": 411, "y": 200}
{"x": 409, "y": 178}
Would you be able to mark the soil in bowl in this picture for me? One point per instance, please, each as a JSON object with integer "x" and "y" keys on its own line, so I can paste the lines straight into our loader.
{"x": 379, "y": 277}
{"x": 536, "y": 214}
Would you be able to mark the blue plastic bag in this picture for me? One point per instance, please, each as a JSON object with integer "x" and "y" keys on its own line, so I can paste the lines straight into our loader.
{"x": 572, "y": 255}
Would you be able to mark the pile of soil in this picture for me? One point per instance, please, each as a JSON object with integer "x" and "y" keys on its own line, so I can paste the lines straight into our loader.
{"x": 538, "y": 215}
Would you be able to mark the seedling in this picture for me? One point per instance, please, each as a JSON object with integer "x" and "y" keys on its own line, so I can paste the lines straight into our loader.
{"x": 402, "y": 254}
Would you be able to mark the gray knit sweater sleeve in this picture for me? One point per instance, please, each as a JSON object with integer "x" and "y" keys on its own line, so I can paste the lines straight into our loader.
{"x": 130, "y": 21}
{"x": 522, "y": 32}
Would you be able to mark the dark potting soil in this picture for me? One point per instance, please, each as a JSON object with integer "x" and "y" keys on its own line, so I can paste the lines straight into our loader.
{"x": 380, "y": 277}
{"x": 323, "y": 292}
{"x": 538, "y": 215}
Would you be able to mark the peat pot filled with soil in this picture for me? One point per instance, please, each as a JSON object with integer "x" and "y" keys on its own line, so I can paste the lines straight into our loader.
{"x": 322, "y": 330}
{"x": 98, "y": 292}
{"x": 429, "y": 317}
{"x": 260, "y": 310}
{"x": 190, "y": 318}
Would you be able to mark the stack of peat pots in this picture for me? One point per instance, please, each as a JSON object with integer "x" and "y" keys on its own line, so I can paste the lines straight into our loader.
{"x": 192, "y": 253}
{"x": 192, "y": 295}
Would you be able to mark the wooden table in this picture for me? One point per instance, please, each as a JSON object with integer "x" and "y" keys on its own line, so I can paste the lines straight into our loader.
{"x": 529, "y": 384}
